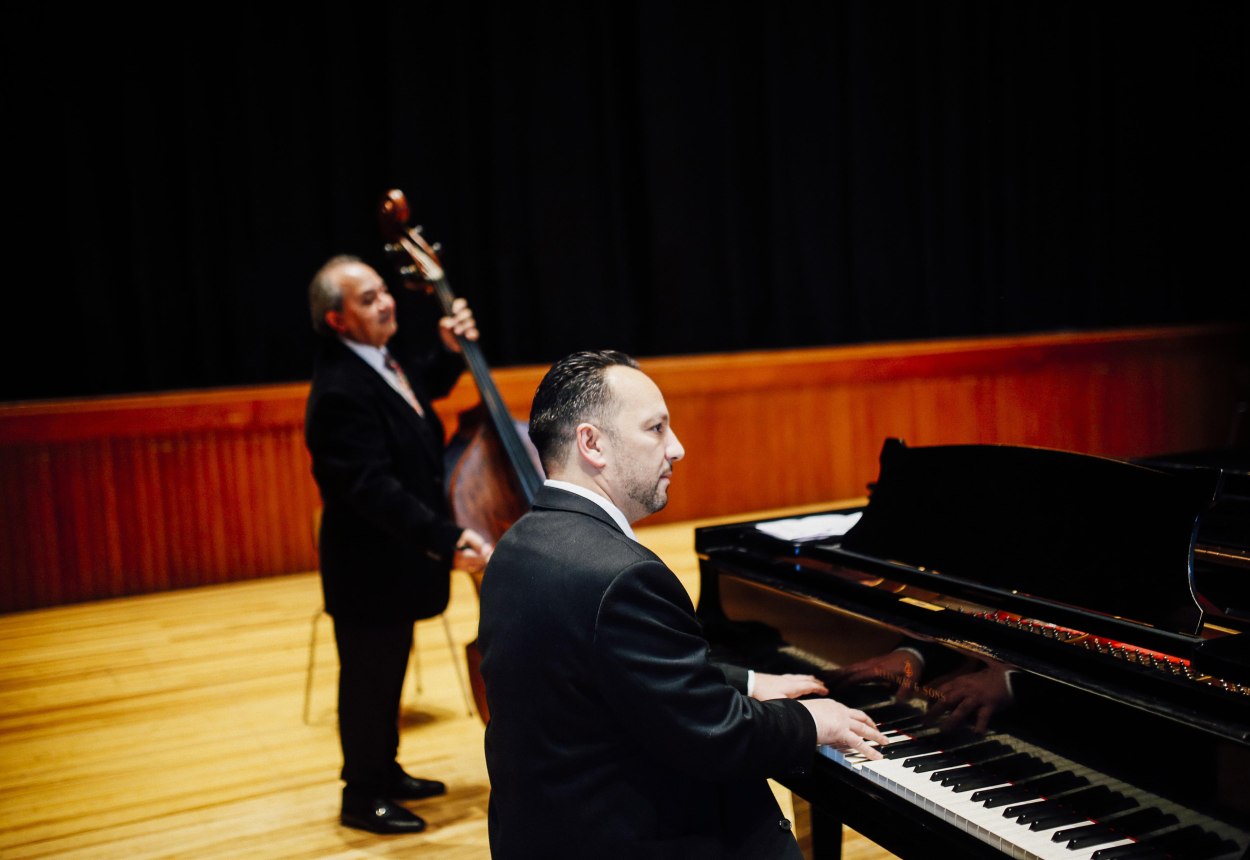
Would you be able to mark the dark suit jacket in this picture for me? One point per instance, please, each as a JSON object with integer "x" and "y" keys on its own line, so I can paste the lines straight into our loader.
{"x": 387, "y": 535}
{"x": 611, "y": 735}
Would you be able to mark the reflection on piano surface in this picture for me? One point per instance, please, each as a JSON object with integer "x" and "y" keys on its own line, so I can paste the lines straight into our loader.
{"x": 1026, "y": 625}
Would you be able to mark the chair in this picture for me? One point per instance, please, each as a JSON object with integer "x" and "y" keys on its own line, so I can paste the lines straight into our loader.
{"x": 416, "y": 650}
{"x": 455, "y": 662}
{"x": 416, "y": 661}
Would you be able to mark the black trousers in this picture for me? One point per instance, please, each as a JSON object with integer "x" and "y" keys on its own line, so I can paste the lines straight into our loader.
{"x": 373, "y": 660}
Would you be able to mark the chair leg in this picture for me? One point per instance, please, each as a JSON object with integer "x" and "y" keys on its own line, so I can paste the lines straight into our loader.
{"x": 312, "y": 661}
{"x": 455, "y": 664}
{"x": 416, "y": 661}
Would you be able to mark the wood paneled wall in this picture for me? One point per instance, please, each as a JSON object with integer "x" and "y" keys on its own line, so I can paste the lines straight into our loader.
{"x": 127, "y": 495}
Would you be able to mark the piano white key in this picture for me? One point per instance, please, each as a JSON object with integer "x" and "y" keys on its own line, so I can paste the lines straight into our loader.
{"x": 988, "y": 825}
{"x": 957, "y": 808}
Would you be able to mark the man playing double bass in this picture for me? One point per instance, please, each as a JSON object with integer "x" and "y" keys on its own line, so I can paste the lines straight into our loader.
{"x": 387, "y": 541}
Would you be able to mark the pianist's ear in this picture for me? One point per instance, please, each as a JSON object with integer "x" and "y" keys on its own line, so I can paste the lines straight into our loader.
{"x": 590, "y": 444}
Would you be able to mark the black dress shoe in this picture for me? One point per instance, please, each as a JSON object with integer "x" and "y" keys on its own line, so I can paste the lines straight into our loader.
{"x": 411, "y": 788}
{"x": 381, "y": 816}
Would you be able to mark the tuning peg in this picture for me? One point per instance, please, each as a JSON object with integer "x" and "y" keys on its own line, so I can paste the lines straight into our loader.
{"x": 419, "y": 229}
{"x": 410, "y": 272}
{"x": 437, "y": 246}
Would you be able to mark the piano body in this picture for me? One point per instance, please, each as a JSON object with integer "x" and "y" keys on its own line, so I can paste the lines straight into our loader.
{"x": 1068, "y": 579}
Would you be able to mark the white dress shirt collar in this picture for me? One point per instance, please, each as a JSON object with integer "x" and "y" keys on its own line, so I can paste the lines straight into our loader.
{"x": 373, "y": 355}
{"x": 375, "y": 358}
{"x": 602, "y": 501}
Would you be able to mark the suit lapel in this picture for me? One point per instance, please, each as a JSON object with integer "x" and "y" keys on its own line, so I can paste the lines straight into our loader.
{"x": 392, "y": 400}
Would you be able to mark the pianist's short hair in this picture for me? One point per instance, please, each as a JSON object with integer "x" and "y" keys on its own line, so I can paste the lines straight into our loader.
{"x": 325, "y": 294}
{"x": 573, "y": 391}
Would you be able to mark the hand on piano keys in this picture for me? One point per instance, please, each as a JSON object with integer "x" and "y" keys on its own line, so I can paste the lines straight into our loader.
{"x": 1031, "y": 803}
{"x": 847, "y": 729}
{"x": 786, "y": 686}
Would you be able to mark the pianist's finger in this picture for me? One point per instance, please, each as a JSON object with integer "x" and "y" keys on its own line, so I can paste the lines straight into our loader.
{"x": 862, "y": 726}
{"x": 872, "y": 733}
{"x": 864, "y": 748}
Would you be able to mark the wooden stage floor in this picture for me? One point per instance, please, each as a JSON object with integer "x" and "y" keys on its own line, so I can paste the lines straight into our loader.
{"x": 171, "y": 725}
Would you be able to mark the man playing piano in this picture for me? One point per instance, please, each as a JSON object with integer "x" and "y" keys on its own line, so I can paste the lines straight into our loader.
{"x": 611, "y": 734}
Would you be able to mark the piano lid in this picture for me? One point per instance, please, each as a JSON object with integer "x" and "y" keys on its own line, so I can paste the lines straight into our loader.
{"x": 1222, "y": 553}
{"x": 1110, "y": 536}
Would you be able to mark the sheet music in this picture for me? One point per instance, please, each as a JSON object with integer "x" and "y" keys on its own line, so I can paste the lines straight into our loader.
{"x": 815, "y": 527}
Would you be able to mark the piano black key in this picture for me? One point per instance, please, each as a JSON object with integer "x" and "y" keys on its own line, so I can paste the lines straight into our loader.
{"x": 954, "y": 743}
{"x": 993, "y": 773}
{"x": 1196, "y": 845}
{"x": 950, "y": 774}
{"x": 971, "y": 754}
{"x": 1077, "y": 799}
{"x": 1183, "y": 839}
{"x": 1019, "y": 766}
{"x": 933, "y": 761}
{"x": 956, "y": 738}
{"x": 1188, "y": 842}
{"x": 972, "y": 781}
{"x": 917, "y": 746}
{"x": 1115, "y": 803}
{"x": 1098, "y": 804}
{"x": 1142, "y": 822}
{"x": 914, "y": 726}
{"x": 894, "y": 719}
{"x": 1090, "y": 803}
{"x": 1083, "y": 804}
{"x": 1028, "y": 813}
{"x": 1133, "y": 825}
{"x": 1136, "y": 852}
{"x": 1031, "y": 789}
{"x": 978, "y": 749}
{"x": 1018, "y": 809}
{"x": 1056, "y": 818}
{"x": 1086, "y": 836}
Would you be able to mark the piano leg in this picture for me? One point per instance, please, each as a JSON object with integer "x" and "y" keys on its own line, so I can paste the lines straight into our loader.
{"x": 819, "y": 832}
{"x": 826, "y": 836}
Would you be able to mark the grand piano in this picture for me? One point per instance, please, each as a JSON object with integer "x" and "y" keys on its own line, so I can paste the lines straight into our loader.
{"x": 1105, "y": 602}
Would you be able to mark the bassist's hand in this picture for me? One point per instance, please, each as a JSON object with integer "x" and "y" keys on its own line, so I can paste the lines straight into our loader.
{"x": 472, "y": 552}
{"x": 459, "y": 323}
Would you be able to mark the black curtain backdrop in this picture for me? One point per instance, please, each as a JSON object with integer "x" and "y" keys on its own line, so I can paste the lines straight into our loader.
{"x": 659, "y": 177}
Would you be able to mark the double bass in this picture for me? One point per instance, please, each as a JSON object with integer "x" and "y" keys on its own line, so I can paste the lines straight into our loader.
{"x": 494, "y": 472}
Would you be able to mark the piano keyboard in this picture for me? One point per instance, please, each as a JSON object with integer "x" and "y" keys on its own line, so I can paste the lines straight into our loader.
{"x": 1028, "y": 802}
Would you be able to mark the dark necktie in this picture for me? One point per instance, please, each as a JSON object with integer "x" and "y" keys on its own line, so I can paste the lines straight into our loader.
{"x": 406, "y": 389}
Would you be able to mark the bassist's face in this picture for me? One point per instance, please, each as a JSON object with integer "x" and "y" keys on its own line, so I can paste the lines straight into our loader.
{"x": 368, "y": 313}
